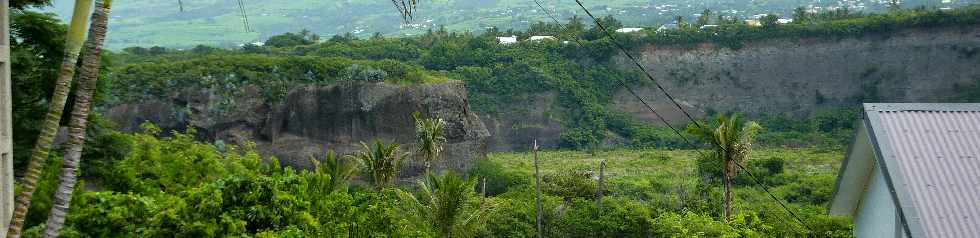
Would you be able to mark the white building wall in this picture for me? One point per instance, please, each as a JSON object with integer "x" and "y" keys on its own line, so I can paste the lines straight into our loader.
{"x": 877, "y": 216}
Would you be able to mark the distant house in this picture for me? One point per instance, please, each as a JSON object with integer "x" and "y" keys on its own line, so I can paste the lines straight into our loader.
{"x": 541, "y": 38}
{"x": 753, "y": 23}
{"x": 707, "y": 27}
{"x": 668, "y": 26}
{"x": 784, "y": 21}
{"x": 507, "y": 40}
{"x": 913, "y": 170}
{"x": 257, "y": 43}
{"x": 629, "y": 30}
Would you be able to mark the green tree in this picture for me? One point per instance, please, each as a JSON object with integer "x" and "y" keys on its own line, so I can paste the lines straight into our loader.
{"x": 705, "y": 18}
{"x": 329, "y": 175}
{"x": 382, "y": 162}
{"x": 79, "y": 118}
{"x": 429, "y": 136}
{"x": 448, "y": 205}
{"x": 304, "y": 37}
{"x": 769, "y": 20}
{"x": 731, "y": 142}
{"x": 679, "y": 20}
{"x": 800, "y": 15}
{"x": 76, "y": 36}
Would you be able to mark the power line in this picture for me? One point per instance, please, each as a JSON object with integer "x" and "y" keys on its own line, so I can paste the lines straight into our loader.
{"x": 620, "y": 81}
{"x": 635, "y": 62}
{"x": 241, "y": 7}
{"x": 671, "y": 98}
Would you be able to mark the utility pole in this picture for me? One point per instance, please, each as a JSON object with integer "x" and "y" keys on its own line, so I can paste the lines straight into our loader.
{"x": 537, "y": 187}
{"x": 6, "y": 120}
{"x": 602, "y": 178}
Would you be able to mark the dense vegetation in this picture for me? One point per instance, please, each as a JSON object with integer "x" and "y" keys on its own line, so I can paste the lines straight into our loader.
{"x": 175, "y": 186}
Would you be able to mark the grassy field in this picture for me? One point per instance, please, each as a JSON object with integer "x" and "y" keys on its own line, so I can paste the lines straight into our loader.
{"x": 664, "y": 178}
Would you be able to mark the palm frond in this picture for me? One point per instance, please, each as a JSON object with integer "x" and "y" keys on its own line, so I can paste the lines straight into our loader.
{"x": 406, "y": 8}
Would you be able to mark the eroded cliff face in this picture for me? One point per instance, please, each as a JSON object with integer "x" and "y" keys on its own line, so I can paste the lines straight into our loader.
{"x": 798, "y": 76}
{"x": 780, "y": 76}
{"x": 312, "y": 119}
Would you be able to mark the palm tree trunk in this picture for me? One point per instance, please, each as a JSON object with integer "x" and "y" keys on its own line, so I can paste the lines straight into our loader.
{"x": 87, "y": 79}
{"x": 6, "y": 122}
{"x": 728, "y": 190}
{"x": 76, "y": 35}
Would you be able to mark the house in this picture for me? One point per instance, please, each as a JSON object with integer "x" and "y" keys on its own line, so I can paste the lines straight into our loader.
{"x": 507, "y": 40}
{"x": 707, "y": 27}
{"x": 753, "y": 23}
{"x": 668, "y": 26}
{"x": 784, "y": 21}
{"x": 629, "y": 30}
{"x": 257, "y": 43}
{"x": 913, "y": 170}
{"x": 541, "y": 38}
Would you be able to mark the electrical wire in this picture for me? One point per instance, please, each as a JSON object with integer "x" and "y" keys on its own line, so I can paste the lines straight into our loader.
{"x": 671, "y": 98}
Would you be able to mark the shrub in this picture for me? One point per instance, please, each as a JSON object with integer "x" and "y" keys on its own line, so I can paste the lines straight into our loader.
{"x": 611, "y": 217}
{"x": 498, "y": 179}
{"x": 569, "y": 184}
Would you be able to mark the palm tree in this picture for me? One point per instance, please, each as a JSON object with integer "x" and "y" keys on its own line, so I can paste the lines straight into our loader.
{"x": 679, "y": 20}
{"x": 406, "y": 8}
{"x": 705, "y": 18}
{"x": 381, "y": 162}
{"x": 6, "y": 121}
{"x": 76, "y": 36}
{"x": 429, "y": 134}
{"x": 79, "y": 118}
{"x": 448, "y": 205}
{"x": 332, "y": 174}
{"x": 731, "y": 142}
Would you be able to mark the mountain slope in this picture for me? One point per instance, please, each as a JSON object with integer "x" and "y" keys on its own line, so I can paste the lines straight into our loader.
{"x": 219, "y": 22}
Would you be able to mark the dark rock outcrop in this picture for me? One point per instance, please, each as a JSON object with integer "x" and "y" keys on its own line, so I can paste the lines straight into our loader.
{"x": 314, "y": 118}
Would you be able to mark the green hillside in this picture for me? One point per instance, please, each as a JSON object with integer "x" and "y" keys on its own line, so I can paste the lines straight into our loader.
{"x": 219, "y": 22}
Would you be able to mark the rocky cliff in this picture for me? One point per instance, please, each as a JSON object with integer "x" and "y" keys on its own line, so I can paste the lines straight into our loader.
{"x": 314, "y": 118}
{"x": 782, "y": 76}
{"x": 797, "y": 76}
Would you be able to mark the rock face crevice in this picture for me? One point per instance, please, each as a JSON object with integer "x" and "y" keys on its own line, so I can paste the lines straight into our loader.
{"x": 312, "y": 119}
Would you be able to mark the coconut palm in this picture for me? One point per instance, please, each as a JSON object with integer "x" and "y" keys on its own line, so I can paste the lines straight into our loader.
{"x": 88, "y": 76}
{"x": 406, "y": 8}
{"x": 429, "y": 136}
{"x": 448, "y": 204}
{"x": 381, "y": 162}
{"x": 6, "y": 121}
{"x": 331, "y": 174}
{"x": 730, "y": 143}
{"x": 76, "y": 36}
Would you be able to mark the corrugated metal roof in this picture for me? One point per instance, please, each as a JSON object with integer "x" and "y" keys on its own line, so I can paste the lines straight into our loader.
{"x": 932, "y": 154}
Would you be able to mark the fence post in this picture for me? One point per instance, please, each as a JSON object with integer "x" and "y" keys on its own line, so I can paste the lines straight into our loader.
{"x": 537, "y": 188}
{"x": 602, "y": 177}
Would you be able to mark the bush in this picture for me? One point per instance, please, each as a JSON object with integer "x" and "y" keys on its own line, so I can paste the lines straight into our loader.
{"x": 498, "y": 179}
{"x": 611, "y": 217}
{"x": 569, "y": 185}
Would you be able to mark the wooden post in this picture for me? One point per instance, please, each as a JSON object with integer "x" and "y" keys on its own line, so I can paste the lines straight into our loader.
{"x": 537, "y": 187}
{"x": 6, "y": 120}
{"x": 483, "y": 191}
{"x": 602, "y": 178}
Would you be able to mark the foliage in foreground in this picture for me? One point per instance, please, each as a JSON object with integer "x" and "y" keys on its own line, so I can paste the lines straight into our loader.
{"x": 175, "y": 186}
